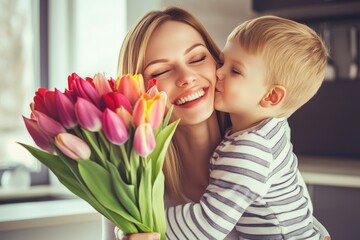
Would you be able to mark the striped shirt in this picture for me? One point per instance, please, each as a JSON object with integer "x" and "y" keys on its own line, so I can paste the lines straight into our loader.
{"x": 255, "y": 186}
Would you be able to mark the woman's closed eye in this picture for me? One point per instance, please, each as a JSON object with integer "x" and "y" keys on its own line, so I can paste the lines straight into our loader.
{"x": 197, "y": 60}
{"x": 158, "y": 74}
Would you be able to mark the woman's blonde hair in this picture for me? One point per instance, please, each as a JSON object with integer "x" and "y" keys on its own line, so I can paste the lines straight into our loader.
{"x": 132, "y": 60}
{"x": 295, "y": 56}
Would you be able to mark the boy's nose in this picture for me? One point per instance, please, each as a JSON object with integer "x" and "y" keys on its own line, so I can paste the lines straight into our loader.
{"x": 219, "y": 74}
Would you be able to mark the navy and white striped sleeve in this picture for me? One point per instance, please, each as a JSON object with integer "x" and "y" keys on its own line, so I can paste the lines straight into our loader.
{"x": 238, "y": 178}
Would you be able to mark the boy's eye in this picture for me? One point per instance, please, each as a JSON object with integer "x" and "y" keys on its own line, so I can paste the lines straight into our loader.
{"x": 198, "y": 59}
{"x": 235, "y": 71}
{"x": 155, "y": 75}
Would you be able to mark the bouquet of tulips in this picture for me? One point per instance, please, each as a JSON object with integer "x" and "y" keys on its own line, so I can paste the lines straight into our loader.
{"x": 106, "y": 140}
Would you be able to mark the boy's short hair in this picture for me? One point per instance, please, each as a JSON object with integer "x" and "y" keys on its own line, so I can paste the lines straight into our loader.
{"x": 295, "y": 56}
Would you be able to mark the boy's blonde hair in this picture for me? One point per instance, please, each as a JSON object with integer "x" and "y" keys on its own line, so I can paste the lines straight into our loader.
{"x": 295, "y": 56}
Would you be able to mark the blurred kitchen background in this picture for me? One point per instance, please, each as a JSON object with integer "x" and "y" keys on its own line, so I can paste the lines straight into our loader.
{"x": 43, "y": 41}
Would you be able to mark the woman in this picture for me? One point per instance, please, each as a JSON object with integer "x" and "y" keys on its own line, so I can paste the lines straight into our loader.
{"x": 174, "y": 47}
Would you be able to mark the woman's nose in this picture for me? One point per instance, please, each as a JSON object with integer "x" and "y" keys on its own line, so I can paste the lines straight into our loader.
{"x": 187, "y": 77}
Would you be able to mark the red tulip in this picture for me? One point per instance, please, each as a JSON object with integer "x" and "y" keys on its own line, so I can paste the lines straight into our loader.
{"x": 144, "y": 140}
{"x": 39, "y": 137}
{"x": 39, "y": 101}
{"x": 88, "y": 115}
{"x": 72, "y": 146}
{"x": 115, "y": 100}
{"x": 50, "y": 104}
{"x": 151, "y": 83}
{"x": 48, "y": 125}
{"x": 66, "y": 110}
{"x": 114, "y": 128}
{"x": 132, "y": 86}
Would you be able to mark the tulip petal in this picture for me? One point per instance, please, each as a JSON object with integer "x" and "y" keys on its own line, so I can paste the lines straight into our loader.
{"x": 72, "y": 146}
{"x": 66, "y": 110}
{"x": 115, "y": 100}
{"x": 50, "y": 104}
{"x": 132, "y": 86}
{"x": 139, "y": 112}
{"x": 101, "y": 84}
{"x": 39, "y": 137}
{"x": 48, "y": 125}
{"x": 156, "y": 112}
{"x": 114, "y": 128}
{"x": 144, "y": 140}
{"x": 125, "y": 116}
{"x": 88, "y": 115}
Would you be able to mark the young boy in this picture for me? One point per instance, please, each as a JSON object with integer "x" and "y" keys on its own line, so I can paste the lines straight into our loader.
{"x": 270, "y": 67}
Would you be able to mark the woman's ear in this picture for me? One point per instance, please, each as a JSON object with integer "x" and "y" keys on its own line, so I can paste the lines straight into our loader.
{"x": 274, "y": 96}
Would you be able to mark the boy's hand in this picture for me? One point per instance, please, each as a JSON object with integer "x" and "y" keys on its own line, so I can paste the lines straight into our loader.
{"x": 136, "y": 236}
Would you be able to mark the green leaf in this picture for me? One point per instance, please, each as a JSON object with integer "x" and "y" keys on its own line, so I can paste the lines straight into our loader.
{"x": 65, "y": 175}
{"x": 167, "y": 117}
{"x": 94, "y": 145}
{"x": 125, "y": 193}
{"x": 158, "y": 205}
{"x": 145, "y": 195}
{"x": 163, "y": 140}
{"x": 98, "y": 181}
{"x": 134, "y": 168}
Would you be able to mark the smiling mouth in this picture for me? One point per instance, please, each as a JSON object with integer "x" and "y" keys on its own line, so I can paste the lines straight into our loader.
{"x": 191, "y": 97}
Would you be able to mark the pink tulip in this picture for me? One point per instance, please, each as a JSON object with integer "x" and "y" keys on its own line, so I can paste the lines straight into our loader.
{"x": 125, "y": 116}
{"x": 115, "y": 100}
{"x": 144, "y": 140}
{"x": 149, "y": 110}
{"x": 48, "y": 125}
{"x": 114, "y": 128}
{"x": 66, "y": 110}
{"x": 85, "y": 89}
{"x": 102, "y": 85}
{"x": 132, "y": 86}
{"x": 88, "y": 115}
{"x": 72, "y": 146}
{"x": 39, "y": 137}
{"x": 153, "y": 91}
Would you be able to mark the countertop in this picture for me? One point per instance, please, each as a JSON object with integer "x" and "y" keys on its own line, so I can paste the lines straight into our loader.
{"x": 68, "y": 210}
{"x": 330, "y": 171}
{"x": 315, "y": 170}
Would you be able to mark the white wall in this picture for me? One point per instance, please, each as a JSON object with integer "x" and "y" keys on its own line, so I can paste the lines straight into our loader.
{"x": 219, "y": 17}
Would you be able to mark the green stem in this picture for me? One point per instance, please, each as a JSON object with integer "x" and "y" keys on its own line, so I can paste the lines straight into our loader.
{"x": 104, "y": 140}
{"x": 96, "y": 148}
{"x": 126, "y": 161}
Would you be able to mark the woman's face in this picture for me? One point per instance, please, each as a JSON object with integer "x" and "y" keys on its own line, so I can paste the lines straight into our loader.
{"x": 177, "y": 57}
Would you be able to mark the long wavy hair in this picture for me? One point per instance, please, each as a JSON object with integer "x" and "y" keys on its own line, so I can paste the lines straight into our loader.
{"x": 132, "y": 60}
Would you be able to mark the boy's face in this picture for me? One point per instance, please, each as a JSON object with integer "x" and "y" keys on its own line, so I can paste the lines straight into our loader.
{"x": 241, "y": 81}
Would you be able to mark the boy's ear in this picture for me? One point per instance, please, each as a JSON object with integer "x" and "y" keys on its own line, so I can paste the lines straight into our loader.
{"x": 274, "y": 96}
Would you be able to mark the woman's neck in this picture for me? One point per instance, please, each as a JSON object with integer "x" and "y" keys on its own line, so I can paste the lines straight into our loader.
{"x": 196, "y": 144}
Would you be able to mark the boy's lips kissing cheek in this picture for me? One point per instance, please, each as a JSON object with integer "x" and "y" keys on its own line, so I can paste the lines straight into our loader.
{"x": 191, "y": 97}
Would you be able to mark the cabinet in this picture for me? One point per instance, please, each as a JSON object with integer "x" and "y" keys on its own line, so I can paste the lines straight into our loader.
{"x": 338, "y": 209}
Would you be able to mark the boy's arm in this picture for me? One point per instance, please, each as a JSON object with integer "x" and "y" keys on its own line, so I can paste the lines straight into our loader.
{"x": 237, "y": 179}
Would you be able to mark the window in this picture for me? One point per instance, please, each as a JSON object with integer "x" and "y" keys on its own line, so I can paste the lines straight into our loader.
{"x": 41, "y": 43}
